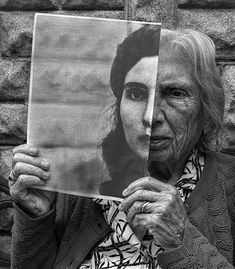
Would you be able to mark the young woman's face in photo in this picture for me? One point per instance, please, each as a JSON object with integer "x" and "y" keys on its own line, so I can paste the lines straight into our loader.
{"x": 167, "y": 108}
{"x": 137, "y": 104}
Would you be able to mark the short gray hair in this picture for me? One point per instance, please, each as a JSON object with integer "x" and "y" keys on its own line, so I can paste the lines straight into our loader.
{"x": 199, "y": 50}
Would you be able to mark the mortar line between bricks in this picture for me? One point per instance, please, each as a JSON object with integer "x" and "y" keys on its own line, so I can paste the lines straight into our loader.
{"x": 19, "y": 59}
{"x": 12, "y": 144}
{"x": 59, "y": 12}
{"x": 13, "y": 101}
{"x": 176, "y": 15}
{"x": 192, "y": 7}
{"x": 83, "y": 10}
{"x": 4, "y": 147}
{"x": 225, "y": 61}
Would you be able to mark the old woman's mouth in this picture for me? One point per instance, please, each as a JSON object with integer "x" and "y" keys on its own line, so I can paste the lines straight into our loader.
{"x": 159, "y": 142}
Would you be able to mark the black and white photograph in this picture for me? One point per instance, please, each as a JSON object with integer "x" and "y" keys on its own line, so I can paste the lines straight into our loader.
{"x": 117, "y": 134}
{"x": 84, "y": 114}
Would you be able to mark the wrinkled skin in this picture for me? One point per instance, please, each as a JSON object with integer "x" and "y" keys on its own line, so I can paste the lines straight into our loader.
{"x": 164, "y": 217}
{"x": 177, "y": 125}
{"x": 29, "y": 170}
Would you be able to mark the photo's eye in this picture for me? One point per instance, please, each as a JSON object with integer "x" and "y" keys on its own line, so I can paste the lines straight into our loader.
{"x": 136, "y": 94}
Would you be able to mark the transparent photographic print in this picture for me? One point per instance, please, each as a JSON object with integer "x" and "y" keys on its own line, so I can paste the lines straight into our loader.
{"x": 76, "y": 116}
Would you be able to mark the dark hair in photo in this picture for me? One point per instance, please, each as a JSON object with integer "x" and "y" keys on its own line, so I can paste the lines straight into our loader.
{"x": 117, "y": 154}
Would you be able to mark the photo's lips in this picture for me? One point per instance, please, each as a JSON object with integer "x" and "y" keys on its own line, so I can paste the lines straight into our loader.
{"x": 145, "y": 138}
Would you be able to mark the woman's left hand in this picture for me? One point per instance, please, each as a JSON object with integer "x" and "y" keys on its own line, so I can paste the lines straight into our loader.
{"x": 163, "y": 215}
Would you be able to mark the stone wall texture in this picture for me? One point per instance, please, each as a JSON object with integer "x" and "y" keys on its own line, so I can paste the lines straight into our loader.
{"x": 216, "y": 18}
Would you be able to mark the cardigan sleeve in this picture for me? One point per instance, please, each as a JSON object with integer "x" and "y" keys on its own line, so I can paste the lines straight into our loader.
{"x": 33, "y": 241}
{"x": 196, "y": 252}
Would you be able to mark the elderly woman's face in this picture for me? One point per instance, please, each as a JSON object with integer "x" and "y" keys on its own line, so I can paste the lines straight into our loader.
{"x": 174, "y": 115}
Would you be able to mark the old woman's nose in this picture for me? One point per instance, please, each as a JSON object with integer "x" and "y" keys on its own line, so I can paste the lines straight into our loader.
{"x": 158, "y": 113}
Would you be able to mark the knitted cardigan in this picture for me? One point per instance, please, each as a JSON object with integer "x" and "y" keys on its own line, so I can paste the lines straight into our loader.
{"x": 65, "y": 236}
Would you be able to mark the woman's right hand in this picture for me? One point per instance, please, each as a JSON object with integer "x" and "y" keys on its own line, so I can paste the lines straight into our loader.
{"x": 28, "y": 170}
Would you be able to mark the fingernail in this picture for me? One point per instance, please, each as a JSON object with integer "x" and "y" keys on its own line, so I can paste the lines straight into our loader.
{"x": 125, "y": 192}
{"x": 33, "y": 151}
{"x": 46, "y": 175}
{"x": 45, "y": 164}
{"x": 120, "y": 207}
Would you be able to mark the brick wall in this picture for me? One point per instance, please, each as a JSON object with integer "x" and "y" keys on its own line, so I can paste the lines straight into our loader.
{"x": 216, "y": 18}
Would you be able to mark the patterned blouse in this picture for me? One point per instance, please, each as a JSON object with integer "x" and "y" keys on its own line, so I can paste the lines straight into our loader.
{"x": 121, "y": 248}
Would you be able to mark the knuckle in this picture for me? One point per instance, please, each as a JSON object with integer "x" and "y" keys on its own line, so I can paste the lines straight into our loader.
{"x": 14, "y": 158}
{"x": 140, "y": 194}
{"x": 17, "y": 167}
{"x": 150, "y": 179}
{"x": 173, "y": 191}
{"x": 170, "y": 197}
{"x": 165, "y": 211}
{"x": 22, "y": 180}
{"x": 136, "y": 206}
{"x": 13, "y": 192}
{"x": 15, "y": 149}
{"x": 18, "y": 148}
{"x": 17, "y": 157}
{"x": 161, "y": 209}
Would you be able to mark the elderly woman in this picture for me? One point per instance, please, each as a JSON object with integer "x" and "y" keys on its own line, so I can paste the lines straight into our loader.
{"x": 180, "y": 216}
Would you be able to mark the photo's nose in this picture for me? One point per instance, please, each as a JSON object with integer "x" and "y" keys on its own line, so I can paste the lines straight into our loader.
{"x": 148, "y": 113}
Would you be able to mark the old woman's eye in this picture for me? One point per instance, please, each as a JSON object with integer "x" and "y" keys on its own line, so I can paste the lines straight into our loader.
{"x": 178, "y": 93}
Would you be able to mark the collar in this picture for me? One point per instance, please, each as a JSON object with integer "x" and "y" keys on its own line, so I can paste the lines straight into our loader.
{"x": 192, "y": 173}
